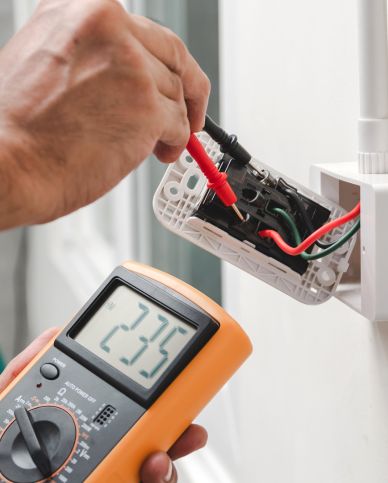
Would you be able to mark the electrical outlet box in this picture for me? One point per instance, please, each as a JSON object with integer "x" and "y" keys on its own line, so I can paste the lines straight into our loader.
{"x": 184, "y": 205}
{"x": 364, "y": 286}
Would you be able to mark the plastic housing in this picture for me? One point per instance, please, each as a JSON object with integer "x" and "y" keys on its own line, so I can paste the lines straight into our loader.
{"x": 180, "y": 191}
{"x": 364, "y": 286}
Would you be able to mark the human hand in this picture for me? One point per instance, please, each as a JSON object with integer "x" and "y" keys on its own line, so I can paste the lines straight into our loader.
{"x": 157, "y": 468}
{"x": 18, "y": 363}
{"x": 87, "y": 92}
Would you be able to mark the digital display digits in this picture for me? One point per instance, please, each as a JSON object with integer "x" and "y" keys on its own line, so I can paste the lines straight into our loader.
{"x": 135, "y": 335}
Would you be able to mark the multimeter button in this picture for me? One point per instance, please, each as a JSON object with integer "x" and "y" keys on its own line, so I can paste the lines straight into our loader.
{"x": 49, "y": 371}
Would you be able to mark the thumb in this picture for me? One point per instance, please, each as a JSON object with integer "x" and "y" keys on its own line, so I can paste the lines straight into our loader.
{"x": 158, "y": 468}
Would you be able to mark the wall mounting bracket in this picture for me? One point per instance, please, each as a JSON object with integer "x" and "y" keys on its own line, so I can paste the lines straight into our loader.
{"x": 365, "y": 285}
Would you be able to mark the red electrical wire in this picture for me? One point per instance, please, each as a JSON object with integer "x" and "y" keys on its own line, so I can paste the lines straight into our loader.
{"x": 274, "y": 235}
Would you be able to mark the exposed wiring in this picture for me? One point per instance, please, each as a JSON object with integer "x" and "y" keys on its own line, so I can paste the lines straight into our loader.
{"x": 293, "y": 194}
{"x": 230, "y": 145}
{"x": 323, "y": 253}
{"x": 311, "y": 239}
{"x": 290, "y": 222}
{"x": 334, "y": 246}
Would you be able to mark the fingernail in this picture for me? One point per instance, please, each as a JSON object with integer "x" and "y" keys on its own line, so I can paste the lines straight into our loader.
{"x": 168, "y": 476}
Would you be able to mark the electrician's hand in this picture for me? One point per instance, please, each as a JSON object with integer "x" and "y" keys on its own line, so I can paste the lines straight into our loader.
{"x": 15, "y": 367}
{"x": 87, "y": 92}
{"x": 158, "y": 468}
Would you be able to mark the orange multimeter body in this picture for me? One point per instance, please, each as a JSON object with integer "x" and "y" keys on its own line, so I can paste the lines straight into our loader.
{"x": 124, "y": 379}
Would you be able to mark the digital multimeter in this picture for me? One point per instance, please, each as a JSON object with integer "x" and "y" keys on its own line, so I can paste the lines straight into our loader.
{"x": 124, "y": 379}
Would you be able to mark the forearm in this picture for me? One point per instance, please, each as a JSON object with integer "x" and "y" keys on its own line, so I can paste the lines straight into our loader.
{"x": 12, "y": 211}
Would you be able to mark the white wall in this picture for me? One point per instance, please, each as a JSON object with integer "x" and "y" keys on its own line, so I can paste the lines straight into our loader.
{"x": 314, "y": 396}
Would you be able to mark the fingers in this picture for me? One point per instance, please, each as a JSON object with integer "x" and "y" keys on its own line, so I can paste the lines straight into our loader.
{"x": 158, "y": 468}
{"x": 21, "y": 361}
{"x": 168, "y": 83}
{"x": 171, "y": 51}
{"x": 166, "y": 153}
{"x": 193, "y": 439}
{"x": 176, "y": 131}
{"x": 175, "y": 125}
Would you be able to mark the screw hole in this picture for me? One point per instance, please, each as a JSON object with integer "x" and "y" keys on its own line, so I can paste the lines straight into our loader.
{"x": 192, "y": 181}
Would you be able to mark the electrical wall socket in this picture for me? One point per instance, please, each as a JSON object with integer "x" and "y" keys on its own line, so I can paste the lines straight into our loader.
{"x": 183, "y": 187}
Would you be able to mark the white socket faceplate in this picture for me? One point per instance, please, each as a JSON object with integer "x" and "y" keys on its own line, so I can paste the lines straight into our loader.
{"x": 183, "y": 187}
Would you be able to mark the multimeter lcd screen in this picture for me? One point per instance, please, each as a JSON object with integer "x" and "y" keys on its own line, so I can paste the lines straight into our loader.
{"x": 135, "y": 335}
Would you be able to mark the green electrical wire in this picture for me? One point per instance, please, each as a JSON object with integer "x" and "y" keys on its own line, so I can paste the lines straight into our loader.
{"x": 297, "y": 238}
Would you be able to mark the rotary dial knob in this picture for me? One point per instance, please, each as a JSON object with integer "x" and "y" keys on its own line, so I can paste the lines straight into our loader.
{"x": 36, "y": 444}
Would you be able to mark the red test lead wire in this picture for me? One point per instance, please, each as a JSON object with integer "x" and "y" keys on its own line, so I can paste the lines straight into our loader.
{"x": 217, "y": 181}
{"x": 313, "y": 237}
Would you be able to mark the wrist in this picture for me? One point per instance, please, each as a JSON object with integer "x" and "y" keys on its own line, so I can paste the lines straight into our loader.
{"x": 13, "y": 210}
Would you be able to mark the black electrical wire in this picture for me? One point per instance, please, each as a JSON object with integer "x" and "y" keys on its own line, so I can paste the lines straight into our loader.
{"x": 293, "y": 194}
{"x": 228, "y": 142}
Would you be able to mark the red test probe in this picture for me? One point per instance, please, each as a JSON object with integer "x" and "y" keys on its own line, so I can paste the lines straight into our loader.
{"x": 217, "y": 181}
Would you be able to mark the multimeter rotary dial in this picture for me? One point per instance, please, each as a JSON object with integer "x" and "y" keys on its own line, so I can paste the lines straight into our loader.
{"x": 37, "y": 443}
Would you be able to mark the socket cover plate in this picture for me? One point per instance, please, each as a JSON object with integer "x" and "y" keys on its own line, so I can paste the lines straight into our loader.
{"x": 181, "y": 189}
